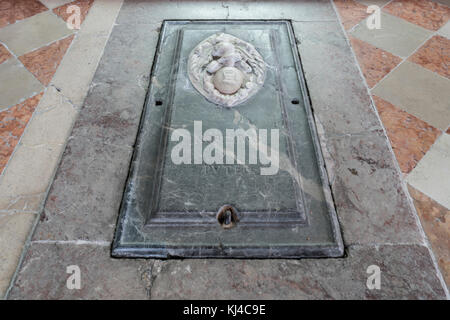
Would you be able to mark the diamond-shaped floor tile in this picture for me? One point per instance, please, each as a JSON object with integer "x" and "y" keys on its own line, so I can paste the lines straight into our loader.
{"x": 410, "y": 137}
{"x": 425, "y": 13}
{"x": 43, "y": 62}
{"x": 379, "y": 3}
{"x": 435, "y": 220}
{"x": 54, "y": 3}
{"x": 375, "y": 63}
{"x": 16, "y": 84}
{"x": 434, "y": 55}
{"x": 418, "y": 91}
{"x": 431, "y": 175}
{"x": 396, "y": 35}
{"x": 84, "y": 6}
{"x": 33, "y": 33}
{"x": 350, "y": 12}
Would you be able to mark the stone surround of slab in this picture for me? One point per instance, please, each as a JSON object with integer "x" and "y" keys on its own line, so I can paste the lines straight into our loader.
{"x": 379, "y": 224}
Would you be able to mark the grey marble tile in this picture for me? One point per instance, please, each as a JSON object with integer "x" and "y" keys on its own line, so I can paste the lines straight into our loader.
{"x": 370, "y": 200}
{"x": 111, "y": 113}
{"x": 85, "y": 196}
{"x": 311, "y": 10}
{"x": 338, "y": 95}
{"x": 115, "y": 101}
{"x": 128, "y": 55}
{"x": 155, "y": 11}
{"x": 404, "y": 275}
{"x": 44, "y": 275}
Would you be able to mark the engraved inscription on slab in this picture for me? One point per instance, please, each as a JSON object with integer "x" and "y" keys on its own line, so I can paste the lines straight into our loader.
{"x": 226, "y": 70}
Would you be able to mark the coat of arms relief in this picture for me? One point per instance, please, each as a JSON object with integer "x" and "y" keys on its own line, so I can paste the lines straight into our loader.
{"x": 226, "y": 70}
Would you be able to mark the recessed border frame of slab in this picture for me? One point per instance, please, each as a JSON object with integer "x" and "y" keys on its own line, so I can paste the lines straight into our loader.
{"x": 146, "y": 242}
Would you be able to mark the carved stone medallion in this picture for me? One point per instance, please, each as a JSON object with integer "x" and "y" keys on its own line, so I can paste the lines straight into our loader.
{"x": 226, "y": 70}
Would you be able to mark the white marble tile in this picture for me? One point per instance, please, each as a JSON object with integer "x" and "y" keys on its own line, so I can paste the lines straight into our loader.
{"x": 32, "y": 33}
{"x": 445, "y": 30}
{"x": 432, "y": 175}
{"x": 54, "y": 3}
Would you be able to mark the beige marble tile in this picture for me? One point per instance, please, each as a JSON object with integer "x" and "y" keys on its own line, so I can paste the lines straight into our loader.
{"x": 431, "y": 175}
{"x": 54, "y": 3}
{"x": 16, "y": 84}
{"x": 13, "y": 122}
{"x": 29, "y": 172}
{"x": 379, "y": 3}
{"x": 14, "y": 230}
{"x": 418, "y": 91}
{"x": 33, "y": 33}
{"x": 445, "y": 30}
{"x": 31, "y": 168}
{"x": 52, "y": 121}
{"x": 73, "y": 79}
{"x": 396, "y": 35}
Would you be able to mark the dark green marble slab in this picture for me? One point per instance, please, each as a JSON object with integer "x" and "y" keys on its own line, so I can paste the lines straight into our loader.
{"x": 170, "y": 210}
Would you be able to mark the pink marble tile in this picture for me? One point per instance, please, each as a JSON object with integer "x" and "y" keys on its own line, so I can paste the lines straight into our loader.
{"x": 434, "y": 55}
{"x": 43, "y": 62}
{"x": 351, "y": 12}
{"x": 14, "y": 10}
{"x": 4, "y": 54}
{"x": 435, "y": 220}
{"x": 12, "y": 124}
{"x": 375, "y": 63}
{"x": 410, "y": 137}
{"x": 425, "y": 13}
{"x": 84, "y": 5}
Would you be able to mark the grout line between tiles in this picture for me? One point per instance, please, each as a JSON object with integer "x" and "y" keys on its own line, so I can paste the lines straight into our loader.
{"x": 381, "y": 8}
{"x": 406, "y": 58}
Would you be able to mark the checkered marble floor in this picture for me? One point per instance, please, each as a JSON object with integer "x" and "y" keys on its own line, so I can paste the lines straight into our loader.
{"x": 33, "y": 40}
{"x": 406, "y": 65}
